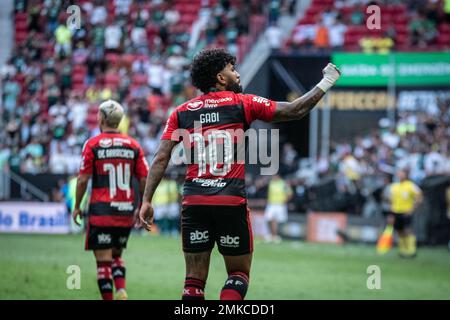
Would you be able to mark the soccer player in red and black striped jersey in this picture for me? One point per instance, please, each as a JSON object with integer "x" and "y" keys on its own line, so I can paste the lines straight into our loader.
{"x": 214, "y": 205}
{"x": 111, "y": 159}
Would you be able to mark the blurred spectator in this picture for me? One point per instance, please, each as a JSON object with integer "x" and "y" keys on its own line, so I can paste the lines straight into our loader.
{"x": 423, "y": 31}
{"x": 336, "y": 33}
{"x": 321, "y": 40}
{"x": 274, "y": 36}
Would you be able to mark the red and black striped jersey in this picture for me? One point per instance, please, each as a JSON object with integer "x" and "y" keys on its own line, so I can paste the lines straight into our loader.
{"x": 210, "y": 125}
{"x": 112, "y": 159}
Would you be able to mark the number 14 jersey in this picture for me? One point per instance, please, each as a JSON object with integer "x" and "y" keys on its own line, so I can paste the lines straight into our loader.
{"x": 112, "y": 159}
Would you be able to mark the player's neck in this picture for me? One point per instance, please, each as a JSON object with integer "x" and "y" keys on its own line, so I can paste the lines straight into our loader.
{"x": 109, "y": 130}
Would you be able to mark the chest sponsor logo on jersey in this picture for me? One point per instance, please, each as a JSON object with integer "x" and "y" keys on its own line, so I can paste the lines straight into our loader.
{"x": 209, "y": 117}
{"x": 215, "y": 183}
{"x": 106, "y": 142}
{"x": 194, "y": 106}
{"x": 118, "y": 142}
{"x": 199, "y": 236}
{"x": 262, "y": 101}
{"x": 212, "y": 103}
{"x": 229, "y": 241}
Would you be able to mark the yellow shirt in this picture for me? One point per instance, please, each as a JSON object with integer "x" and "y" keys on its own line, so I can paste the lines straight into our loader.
{"x": 173, "y": 191}
{"x": 161, "y": 196}
{"x": 279, "y": 192}
{"x": 403, "y": 196}
{"x": 124, "y": 125}
{"x": 63, "y": 34}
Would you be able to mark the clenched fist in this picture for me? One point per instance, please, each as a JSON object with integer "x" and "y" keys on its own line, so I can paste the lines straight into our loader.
{"x": 330, "y": 75}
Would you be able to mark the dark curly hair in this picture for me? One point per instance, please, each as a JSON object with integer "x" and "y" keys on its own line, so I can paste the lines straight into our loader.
{"x": 206, "y": 65}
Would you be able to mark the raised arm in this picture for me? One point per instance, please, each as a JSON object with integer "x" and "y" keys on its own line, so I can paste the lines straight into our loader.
{"x": 157, "y": 170}
{"x": 297, "y": 109}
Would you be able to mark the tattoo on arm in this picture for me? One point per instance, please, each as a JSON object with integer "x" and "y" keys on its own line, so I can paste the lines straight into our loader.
{"x": 298, "y": 108}
{"x": 158, "y": 168}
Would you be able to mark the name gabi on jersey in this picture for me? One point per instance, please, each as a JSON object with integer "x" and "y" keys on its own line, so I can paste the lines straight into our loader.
{"x": 209, "y": 117}
{"x": 216, "y": 183}
{"x": 116, "y": 153}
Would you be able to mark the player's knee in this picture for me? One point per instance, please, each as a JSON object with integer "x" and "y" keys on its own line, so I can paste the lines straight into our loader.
{"x": 235, "y": 287}
{"x": 103, "y": 255}
{"x": 116, "y": 253}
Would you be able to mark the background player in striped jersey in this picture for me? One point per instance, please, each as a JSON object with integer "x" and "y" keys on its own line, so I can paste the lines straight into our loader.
{"x": 111, "y": 159}
{"x": 214, "y": 204}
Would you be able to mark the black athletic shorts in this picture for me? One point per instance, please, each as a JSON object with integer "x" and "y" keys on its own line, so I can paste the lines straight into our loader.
{"x": 228, "y": 226}
{"x": 402, "y": 221}
{"x": 98, "y": 238}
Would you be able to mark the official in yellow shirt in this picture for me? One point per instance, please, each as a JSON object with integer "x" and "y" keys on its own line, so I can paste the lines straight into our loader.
{"x": 174, "y": 206}
{"x": 161, "y": 201}
{"x": 405, "y": 196}
{"x": 276, "y": 212}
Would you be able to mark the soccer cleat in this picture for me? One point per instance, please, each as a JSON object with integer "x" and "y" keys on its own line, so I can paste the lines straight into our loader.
{"x": 121, "y": 294}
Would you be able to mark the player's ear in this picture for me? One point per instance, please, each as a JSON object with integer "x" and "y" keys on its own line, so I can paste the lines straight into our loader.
{"x": 221, "y": 79}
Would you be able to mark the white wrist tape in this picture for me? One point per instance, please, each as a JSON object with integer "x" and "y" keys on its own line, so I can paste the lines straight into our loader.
{"x": 325, "y": 84}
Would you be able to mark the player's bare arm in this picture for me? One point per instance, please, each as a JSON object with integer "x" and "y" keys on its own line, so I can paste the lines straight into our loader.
{"x": 157, "y": 170}
{"x": 82, "y": 183}
{"x": 142, "y": 182}
{"x": 297, "y": 109}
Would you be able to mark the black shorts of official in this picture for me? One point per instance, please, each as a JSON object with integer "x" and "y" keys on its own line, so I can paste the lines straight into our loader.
{"x": 228, "y": 226}
{"x": 402, "y": 221}
{"x": 100, "y": 238}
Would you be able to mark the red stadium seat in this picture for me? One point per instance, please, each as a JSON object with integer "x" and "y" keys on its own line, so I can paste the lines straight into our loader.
{"x": 444, "y": 28}
{"x": 21, "y": 36}
{"x": 128, "y": 58}
{"x": 112, "y": 80}
{"x": 112, "y": 58}
{"x": 401, "y": 19}
{"x": 20, "y": 17}
{"x": 139, "y": 79}
{"x": 444, "y": 40}
{"x": 402, "y": 39}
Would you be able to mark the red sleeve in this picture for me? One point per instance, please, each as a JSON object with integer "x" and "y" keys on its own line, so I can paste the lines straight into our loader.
{"x": 171, "y": 126}
{"x": 258, "y": 108}
{"x": 87, "y": 159}
{"x": 141, "y": 169}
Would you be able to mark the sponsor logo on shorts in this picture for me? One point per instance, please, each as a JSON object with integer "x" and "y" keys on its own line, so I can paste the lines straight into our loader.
{"x": 199, "y": 237}
{"x": 122, "y": 240}
{"x": 104, "y": 238}
{"x": 229, "y": 241}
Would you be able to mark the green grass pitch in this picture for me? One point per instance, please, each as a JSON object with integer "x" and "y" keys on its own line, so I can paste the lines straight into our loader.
{"x": 34, "y": 267}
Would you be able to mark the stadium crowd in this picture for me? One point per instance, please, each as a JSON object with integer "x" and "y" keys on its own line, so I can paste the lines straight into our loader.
{"x": 138, "y": 52}
{"x": 356, "y": 169}
{"x": 341, "y": 25}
